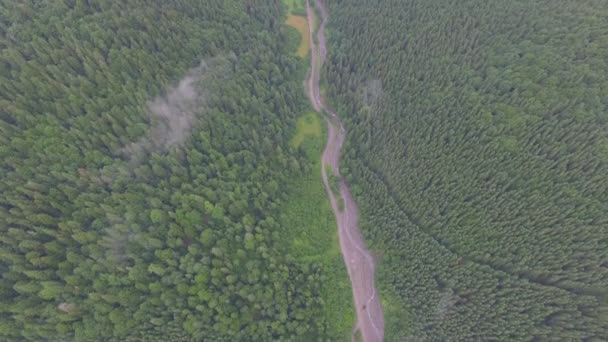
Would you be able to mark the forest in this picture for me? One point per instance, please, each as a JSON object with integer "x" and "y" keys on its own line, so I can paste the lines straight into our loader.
{"x": 151, "y": 188}
{"x": 477, "y": 149}
{"x": 160, "y": 177}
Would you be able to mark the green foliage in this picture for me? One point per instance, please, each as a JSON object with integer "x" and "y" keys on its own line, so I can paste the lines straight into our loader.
{"x": 293, "y": 38}
{"x": 309, "y": 231}
{"x": 476, "y": 139}
{"x": 120, "y": 225}
{"x": 308, "y": 125}
{"x": 295, "y": 7}
{"x": 157, "y": 216}
{"x": 334, "y": 181}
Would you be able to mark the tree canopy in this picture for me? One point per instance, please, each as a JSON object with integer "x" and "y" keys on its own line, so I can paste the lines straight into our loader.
{"x": 144, "y": 151}
{"x": 477, "y": 135}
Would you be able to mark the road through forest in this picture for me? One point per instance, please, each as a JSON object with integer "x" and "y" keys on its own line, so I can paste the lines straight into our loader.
{"x": 359, "y": 261}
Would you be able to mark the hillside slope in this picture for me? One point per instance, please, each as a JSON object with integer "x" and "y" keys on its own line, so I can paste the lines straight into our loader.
{"x": 145, "y": 155}
{"x": 478, "y": 151}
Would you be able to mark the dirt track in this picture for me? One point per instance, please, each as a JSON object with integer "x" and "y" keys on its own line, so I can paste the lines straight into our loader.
{"x": 359, "y": 262}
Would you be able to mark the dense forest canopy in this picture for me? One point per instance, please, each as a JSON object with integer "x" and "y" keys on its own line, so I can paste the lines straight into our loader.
{"x": 478, "y": 147}
{"x": 144, "y": 152}
{"x": 153, "y": 186}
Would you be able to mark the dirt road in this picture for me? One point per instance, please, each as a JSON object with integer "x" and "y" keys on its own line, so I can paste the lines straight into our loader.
{"x": 359, "y": 262}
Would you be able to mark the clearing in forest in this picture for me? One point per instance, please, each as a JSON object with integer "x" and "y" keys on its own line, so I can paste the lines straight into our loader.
{"x": 307, "y": 125}
{"x": 309, "y": 225}
{"x": 301, "y": 24}
{"x": 295, "y": 7}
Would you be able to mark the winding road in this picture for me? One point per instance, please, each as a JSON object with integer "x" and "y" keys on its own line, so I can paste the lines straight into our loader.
{"x": 359, "y": 261}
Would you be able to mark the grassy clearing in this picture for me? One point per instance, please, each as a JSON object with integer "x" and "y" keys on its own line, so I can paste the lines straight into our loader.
{"x": 301, "y": 24}
{"x": 308, "y": 124}
{"x": 311, "y": 227}
{"x": 297, "y": 19}
{"x": 296, "y": 7}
